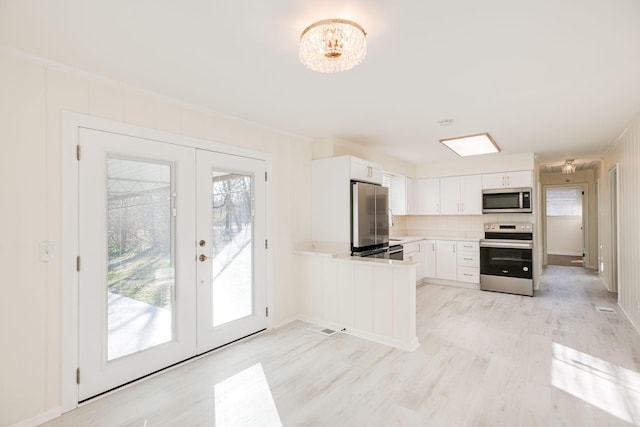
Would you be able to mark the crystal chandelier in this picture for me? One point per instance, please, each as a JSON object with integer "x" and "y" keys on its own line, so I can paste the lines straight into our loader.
{"x": 332, "y": 45}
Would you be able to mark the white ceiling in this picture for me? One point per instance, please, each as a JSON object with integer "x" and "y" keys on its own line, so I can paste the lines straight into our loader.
{"x": 557, "y": 77}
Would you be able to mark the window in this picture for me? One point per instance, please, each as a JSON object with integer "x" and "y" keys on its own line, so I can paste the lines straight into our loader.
{"x": 397, "y": 192}
{"x": 564, "y": 202}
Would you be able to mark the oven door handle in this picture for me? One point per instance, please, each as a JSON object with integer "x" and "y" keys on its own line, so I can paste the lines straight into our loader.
{"x": 511, "y": 245}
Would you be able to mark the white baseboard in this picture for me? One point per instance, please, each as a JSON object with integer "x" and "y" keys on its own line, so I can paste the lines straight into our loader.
{"x": 40, "y": 418}
{"x": 629, "y": 318}
{"x": 411, "y": 345}
{"x": 452, "y": 283}
{"x": 565, "y": 253}
{"x": 283, "y": 322}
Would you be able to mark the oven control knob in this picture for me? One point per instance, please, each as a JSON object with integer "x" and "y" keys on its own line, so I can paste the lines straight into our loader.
{"x": 525, "y": 268}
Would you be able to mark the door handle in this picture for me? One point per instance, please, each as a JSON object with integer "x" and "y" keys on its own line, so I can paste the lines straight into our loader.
{"x": 203, "y": 258}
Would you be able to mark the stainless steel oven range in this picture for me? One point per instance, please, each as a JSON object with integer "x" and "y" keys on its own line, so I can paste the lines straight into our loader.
{"x": 506, "y": 258}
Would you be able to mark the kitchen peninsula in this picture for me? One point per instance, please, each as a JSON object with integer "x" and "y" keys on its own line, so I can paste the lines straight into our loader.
{"x": 370, "y": 298}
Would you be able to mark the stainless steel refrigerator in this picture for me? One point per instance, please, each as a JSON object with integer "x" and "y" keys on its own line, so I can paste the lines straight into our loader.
{"x": 369, "y": 219}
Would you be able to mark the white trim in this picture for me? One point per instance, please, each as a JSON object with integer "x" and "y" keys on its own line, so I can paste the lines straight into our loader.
{"x": 586, "y": 238}
{"x": 284, "y": 322}
{"x": 452, "y": 283}
{"x": 628, "y": 318}
{"x": 40, "y": 418}
{"x": 565, "y": 253}
{"x": 71, "y": 123}
{"x": 409, "y": 346}
{"x": 615, "y": 276}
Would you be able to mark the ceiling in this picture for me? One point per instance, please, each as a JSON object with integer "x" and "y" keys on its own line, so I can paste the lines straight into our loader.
{"x": 559, "y": 78}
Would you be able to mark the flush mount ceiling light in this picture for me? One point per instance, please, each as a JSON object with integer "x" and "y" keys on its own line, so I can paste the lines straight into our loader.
{"x": 568, "y": 167}
{"x": 332, "y": 45}
{"x": 472, "y": 145}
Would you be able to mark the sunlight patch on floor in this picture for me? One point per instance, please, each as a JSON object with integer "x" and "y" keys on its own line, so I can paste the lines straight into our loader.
{"x": 604, "y": 385}
{"x": 245, "y": 400}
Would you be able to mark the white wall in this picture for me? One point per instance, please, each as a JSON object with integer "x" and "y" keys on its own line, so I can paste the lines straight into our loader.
{"x": 472, "y": 165}
{"x": 330, "y": 147}
{"x": 626, "y": 153}
{"x": 33, "y": 95}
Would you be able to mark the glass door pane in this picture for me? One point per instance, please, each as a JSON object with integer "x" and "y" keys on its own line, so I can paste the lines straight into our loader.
{"x": 140, "y": 260}
{"x": 232, "y": 244}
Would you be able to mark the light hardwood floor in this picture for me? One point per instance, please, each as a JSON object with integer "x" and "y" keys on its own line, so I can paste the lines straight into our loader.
{"x": 486, "y": 359}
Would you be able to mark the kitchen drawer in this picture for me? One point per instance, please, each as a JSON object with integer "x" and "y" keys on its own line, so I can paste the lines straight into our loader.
{"x": 410, "y": 248}
{"x": 469, "y": 274}
{"x": 468, "y": 246}
{"x": 468, "y": 259}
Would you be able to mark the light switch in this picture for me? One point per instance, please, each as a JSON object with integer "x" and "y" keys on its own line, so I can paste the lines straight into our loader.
{"x": 46, "y": 251}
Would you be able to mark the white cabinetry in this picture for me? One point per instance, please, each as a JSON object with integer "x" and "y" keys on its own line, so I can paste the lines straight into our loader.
{"x": 446, "y": 261}
{"x": 430, "y": 255}
{"x": 461, "y": 195}
{"x": 331, "y": 195}
{"x": 515, "y": 179}
{"x": 417, "y": 252}
{"x": 452, "y": 260}
{"x": 427, "y": 192}
{"x": 375, "y": 301}
{"x": 468, "y": 261}
{"x": 362, "y": 170}
{"x": 412, "y": 200}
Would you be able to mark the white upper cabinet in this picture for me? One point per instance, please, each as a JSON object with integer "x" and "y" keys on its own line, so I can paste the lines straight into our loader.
{"x": 363, "y": 170}
{"x": 412, "y": 200}
{"x": 515, "y": 179}
{"x": 461, "y": 195}
{"x": 471, "y": 194}
{"x": 427, "y": 195}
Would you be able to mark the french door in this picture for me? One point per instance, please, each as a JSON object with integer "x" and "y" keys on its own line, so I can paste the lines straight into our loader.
{"x": 231, "y": 246}
{"x": 169, "y": 262}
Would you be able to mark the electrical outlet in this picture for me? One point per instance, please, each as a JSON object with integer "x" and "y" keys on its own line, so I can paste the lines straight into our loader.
{"x": 46, "y": 251}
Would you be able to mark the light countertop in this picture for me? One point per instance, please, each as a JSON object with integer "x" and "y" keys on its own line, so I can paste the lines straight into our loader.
{"x": 403, "y": 240}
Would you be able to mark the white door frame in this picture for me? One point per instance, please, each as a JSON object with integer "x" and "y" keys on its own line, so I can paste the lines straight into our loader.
{"x": 585, "y": 217}
{"x": 71, "y": 123}
{"x": 614, "y": 226}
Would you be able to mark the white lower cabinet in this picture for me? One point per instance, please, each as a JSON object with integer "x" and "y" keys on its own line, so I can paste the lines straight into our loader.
{"x": 452, "y": 260}
{"x": 468, "y": 260}
{"x": 417, "y": 252}
{"x": 430, "y": 261}
{"x": 446, "y": 261}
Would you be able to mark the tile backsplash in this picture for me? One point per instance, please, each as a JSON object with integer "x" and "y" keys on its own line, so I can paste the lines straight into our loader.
{"x": 471, "y": 226}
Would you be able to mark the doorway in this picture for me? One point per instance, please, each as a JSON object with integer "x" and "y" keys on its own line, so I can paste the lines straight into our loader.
{"x": 565, "y": 225}
{"x": 172, "y": 256}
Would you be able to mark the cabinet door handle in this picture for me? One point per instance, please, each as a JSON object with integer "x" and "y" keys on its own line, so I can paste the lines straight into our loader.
{"x": 468, "y": 259}
{"x": 508, "y": 180}
{"x": 461, "y": 207}
{"x": 433, "y": 246}
{"x": 369, "y": 171}
{"x": 454, "y": 247}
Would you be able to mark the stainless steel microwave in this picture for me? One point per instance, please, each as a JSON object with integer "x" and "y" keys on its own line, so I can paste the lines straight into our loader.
{"x": 507, "y": 200}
